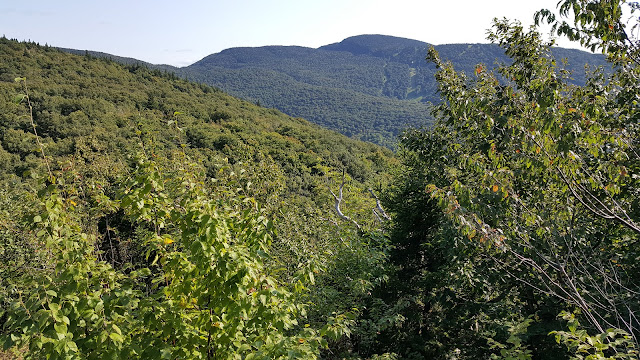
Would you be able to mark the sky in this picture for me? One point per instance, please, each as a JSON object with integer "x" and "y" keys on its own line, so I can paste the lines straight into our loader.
{"x": 181, "y": 32}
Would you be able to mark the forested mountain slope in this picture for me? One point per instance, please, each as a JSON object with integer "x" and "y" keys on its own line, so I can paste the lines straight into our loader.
{"x": 369, "y": 87}
{"x": 97, "y": 114}
{"x": 81, "y": 98}
{"x": 338, "y": 90}
{"x": 104, "y": 128}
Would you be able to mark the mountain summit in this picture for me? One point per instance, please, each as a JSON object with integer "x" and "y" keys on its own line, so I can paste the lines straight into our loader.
{"x": 376, "y": 45}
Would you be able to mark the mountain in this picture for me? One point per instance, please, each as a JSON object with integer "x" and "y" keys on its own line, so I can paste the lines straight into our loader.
{"x": 368, "y": 87}
{"x": 335, "y": 89}
{"x": 86, "y": 107}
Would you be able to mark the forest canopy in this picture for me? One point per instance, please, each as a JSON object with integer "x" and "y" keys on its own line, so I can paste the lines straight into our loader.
{"x": 535, "y": 181}
{"x": 145, "y": 216}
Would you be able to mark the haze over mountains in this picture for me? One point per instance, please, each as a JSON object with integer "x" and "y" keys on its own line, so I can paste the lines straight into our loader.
{"x": 369, "y": 87}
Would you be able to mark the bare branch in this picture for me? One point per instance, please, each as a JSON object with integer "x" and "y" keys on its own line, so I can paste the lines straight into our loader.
{"x": 380, "y": 211}
{"x": 339, "y": 201}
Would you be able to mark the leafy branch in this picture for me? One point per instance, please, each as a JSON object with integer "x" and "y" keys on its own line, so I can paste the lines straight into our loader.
{"x": 25, "y": 97}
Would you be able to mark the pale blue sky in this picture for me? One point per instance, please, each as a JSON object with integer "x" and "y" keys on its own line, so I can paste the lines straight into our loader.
{"x": 184, "y": 31}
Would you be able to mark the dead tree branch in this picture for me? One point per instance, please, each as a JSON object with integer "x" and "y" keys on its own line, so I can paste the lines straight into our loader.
{"x": 378, "y": 211}
{"x": 339, "y": 201}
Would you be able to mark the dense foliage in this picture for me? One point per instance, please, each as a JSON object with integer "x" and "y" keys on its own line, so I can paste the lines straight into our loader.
{"x": 206, "y": 293}
{"x": 369, "y": 87}
{"x": 93, "y": 130}
{"x": 144, "y": 216}
{"x": 518, "y": 210}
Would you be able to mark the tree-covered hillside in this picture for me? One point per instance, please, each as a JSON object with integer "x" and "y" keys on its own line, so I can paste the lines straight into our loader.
{"x": 337, "y": 90}
{"x": 120, "y": 159}
{"x": 370, "y": 87}
{"x": 146, "y": 217}
{"x": 76, "y": 98}
{"x": 120, "y": 59}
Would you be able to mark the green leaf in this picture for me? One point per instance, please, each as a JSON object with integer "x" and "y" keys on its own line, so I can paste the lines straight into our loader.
{"x": 116, "y": 337}
{"x": 61, "y": 329}
{"x": 99, "y": 306}
{"x": 14, "y": 339}
{"x": 19, "y": 98}
{"x": 116, "y": 329}
{"x": 72, "y": 346}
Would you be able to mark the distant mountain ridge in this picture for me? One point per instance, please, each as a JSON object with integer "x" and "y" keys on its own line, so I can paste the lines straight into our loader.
{"x": 120, "y": 59}
{"x": 369, "y": 87}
